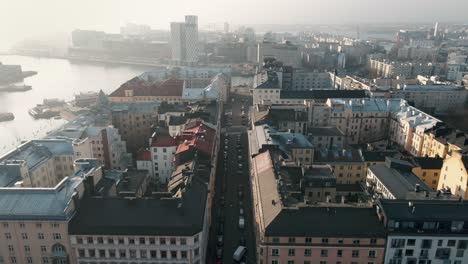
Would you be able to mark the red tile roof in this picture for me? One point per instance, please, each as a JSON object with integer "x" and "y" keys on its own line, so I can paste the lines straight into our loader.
{"x": 161, "y": 141}
{"x": 199, "y": 136}
{"x": 140, "y": 87}
{"x": 144, "y": 154}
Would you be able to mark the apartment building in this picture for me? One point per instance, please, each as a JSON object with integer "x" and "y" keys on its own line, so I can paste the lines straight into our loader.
{"x": 441, "y": 140}
{"x": 290, "y": 231}
{"x": 139, "y": 89}
{"x": 35, "y": 220}
{"x": 347, "y": 164}
{"x": 37, "y": 163}
{"x": 454, "y": 176}
{"x": 424, "y": 231}
{"x": 428, "y": 170}
{"x": 134, "y": 122}
{"x": 362, "y": 120}
{"x": 163, "y": 148}
{"x": 395, "y": 180}
{"x": 287, "y": 53}
{"x": 294, "y": 146}
{"x": 408, "y": 126}
{"x": 326, "y": 137}
{"x": 94, "y": 137}
{"x": 435, "y": 98}
{"x": 392, "y": 69}
{"x": 124, "y": 230}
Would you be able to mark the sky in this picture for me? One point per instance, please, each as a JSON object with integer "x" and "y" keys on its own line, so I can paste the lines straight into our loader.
{"x": 24, "y": 18}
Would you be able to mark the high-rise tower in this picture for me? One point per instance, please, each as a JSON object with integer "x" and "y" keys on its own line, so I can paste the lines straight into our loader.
{"x": 184, "y": 41}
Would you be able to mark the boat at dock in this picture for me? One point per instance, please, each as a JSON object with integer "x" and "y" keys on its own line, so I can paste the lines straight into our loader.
{"x": 43, "y": 112}
{"x": 6, "y": 116}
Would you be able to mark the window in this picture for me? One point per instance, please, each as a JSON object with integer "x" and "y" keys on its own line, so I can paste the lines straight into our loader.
{"x": 7, "y": 235}
{"x": 426, "y": 243}
{"x": 411, "y": 242}
{"x": 355, "y": 253}
{"x": 102, "y": 253}
{"x": 307, "y": 252}
{"x": 123, "y": 253}
{"x": 308, "y": 240}
{"x": 43, "y": 249}
{"x": 45, "y": 260}
{"x": 22, "y": 225}
{"x": 89, "y": 240}
{"x": 275, "y": 252}
{"x": 274, "y": 261}
{"x": 162, "y": 240}
{"x": 38, "y": 225}
{"x": 132, "y": 253}
{"x": 153, "y": 254}
{"x": 173, "y": 254}
{"x": 11, "y": 248}
{"x": 183, "y": 254}
{"x": 325, "y": 240}
{"x": 339, "y": 253}
{"x": 55, "y": 225}
{"x": 291, "y": 252}
{"x": 121, "y": 241}
{"x": 173, "y": 241}
{"x": 372, "y": 254}
{"x": 142, "y": 241}
{"x": 356, "y": 242}
{"x": 409, "y": 252}
{"x": 131, "y": 241}
{"x": 5, "y": 225}
{"x": 183, "y": 241}
{"x": 292, "y": 240}
{"x": 110, "y": 240}
{"x": 324, "y": 253}
{"x": 152, "y": 241}
{"x": 13, "y": 259}
{"x": 373, "y": 241}
{"x": 100, "y": 240}
{"x": 290, "y": 261}
{"x": 340, "y": 241}
{"x": 451, "y": 243}
{"x": 27, "y": 249}
{"x": 460, "y": 253}
{"x": 163, "y": 254}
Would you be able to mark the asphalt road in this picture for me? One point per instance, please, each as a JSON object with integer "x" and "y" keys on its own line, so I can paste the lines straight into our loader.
{"x": 230, "y": 178}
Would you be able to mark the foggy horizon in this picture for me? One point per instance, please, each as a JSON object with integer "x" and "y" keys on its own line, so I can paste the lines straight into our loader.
{"x": 29, "y": 19}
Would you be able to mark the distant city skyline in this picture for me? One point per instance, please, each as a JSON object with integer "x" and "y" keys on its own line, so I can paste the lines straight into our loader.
{"x": 23, "y": 18}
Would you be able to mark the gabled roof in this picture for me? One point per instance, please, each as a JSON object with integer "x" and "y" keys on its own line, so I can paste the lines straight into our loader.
{"x": 200, "y": 137}
{"x": 144, "y": 154}
{"x": 140, "y": 87}
{"x": 161, "y": 141}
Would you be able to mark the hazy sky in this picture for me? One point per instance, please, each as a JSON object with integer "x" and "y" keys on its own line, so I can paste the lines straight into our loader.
{"x": 20, "y": 18}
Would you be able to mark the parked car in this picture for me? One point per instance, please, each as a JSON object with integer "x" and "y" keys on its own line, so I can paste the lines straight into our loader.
{"x": 219, "y": 252}
{"x": 220, "y": 240}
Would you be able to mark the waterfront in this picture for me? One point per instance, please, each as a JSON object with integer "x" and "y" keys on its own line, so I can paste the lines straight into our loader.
{"x": 56, "y": 78}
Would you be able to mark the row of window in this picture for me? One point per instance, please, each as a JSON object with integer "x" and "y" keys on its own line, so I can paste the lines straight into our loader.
{"x": 132, "y": 253}
{"x": 29, "y": 260}
{"x": 308, "y": 240}
{"x": 40, "y": 236}
{"x": 37, "y": 225}
{"x": 134, "y": 241}
{"x": 323, "y": 253}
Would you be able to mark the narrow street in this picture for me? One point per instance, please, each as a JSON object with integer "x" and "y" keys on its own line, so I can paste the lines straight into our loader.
{"x": 233, "y": 198}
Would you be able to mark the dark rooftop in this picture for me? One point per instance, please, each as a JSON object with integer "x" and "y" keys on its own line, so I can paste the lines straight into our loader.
{"x": 326, "y": 222}
{"x": 434, "y": 210}
{"x": 142, "y": 216}
{"x": 322, "y": 94}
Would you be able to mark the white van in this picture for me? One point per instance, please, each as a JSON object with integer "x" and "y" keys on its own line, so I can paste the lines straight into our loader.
{"x": 239, "y": 253}
{"x": 241, "y": 222}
